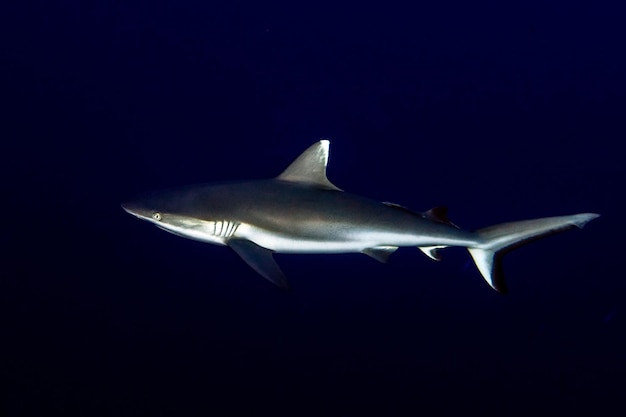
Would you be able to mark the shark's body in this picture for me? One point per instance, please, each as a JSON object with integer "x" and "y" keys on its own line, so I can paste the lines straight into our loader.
{"x": 300, "y": 211}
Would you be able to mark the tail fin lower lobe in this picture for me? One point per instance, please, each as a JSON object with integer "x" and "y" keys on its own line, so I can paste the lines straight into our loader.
{"x": 502, "y": 238}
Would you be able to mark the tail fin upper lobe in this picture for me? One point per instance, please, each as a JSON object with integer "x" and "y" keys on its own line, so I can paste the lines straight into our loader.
{"x": 499, "y": 239}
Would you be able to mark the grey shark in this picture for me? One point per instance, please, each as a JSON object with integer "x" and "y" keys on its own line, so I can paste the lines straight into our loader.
{"x": 301, "y": 211}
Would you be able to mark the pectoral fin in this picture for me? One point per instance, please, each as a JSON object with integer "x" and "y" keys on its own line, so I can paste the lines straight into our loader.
{"x": 261, "y": 260}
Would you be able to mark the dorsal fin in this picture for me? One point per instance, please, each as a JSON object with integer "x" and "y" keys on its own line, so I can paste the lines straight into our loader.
{"x": 439, "y": 215}
{"x": 310, "y": 167}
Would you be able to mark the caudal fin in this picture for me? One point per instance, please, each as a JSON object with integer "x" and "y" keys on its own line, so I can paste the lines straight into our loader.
{"x": 499, "y": 239}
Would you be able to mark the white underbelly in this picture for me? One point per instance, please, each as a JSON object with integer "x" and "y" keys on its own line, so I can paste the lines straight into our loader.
{"x": 284, "y": 243}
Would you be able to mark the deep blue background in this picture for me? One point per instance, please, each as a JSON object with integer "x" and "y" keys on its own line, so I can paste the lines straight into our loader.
{"x": 501, "y": 112}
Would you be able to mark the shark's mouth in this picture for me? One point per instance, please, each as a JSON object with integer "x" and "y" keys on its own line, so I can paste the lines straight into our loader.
{"x": 172, "y": 231}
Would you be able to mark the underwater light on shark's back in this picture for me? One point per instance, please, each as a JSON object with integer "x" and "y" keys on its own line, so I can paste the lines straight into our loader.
{"x": 301, "y": 211}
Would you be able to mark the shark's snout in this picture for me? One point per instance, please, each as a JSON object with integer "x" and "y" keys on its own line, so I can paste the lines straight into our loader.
{"x": 134, "y": 209}
{"x": 127, "y": 206}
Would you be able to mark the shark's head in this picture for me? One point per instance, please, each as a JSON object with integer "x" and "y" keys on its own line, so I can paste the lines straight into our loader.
{"x": 171, "y": 211}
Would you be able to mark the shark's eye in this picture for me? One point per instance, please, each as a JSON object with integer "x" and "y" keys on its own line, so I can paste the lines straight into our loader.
{"x": 157, "y": 216}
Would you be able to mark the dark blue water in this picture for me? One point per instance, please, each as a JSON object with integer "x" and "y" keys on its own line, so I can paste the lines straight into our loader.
{"x": 500, "y": 112}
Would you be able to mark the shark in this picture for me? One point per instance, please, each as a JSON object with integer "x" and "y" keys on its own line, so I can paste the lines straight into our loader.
{"x": 301, "y": 211}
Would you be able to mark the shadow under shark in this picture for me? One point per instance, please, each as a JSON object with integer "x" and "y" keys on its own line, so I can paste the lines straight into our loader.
{"x": 301, "y": 211}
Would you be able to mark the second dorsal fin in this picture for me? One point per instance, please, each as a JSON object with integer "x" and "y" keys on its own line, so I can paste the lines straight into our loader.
{"x": 310, "y": 167}
{"x": 440, "y": 215}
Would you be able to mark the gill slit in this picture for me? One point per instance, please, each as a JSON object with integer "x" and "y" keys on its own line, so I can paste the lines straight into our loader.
{"x": 224, "y": 228}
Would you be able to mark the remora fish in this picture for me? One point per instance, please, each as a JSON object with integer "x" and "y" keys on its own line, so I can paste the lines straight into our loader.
{"x": 301, "y": 211}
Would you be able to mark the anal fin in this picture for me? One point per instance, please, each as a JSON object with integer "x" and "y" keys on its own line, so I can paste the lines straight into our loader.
{"x": 261, "y": 260}
{"x": 432, "y": 251}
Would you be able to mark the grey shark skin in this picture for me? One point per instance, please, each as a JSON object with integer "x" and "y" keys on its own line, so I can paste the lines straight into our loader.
{"x": 301, "y": 211}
